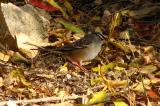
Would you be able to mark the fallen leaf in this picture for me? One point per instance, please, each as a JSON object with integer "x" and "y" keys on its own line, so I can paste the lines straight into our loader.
{"x": 55, "y": 4}
{"x": 120, "y": 103}
{"x": 116, "y": 21}
{"x": 152, "y": 94}
{"x": 98, "y": 97}
{"x": 62, "y": 93}
{"x": 70, "y": 26}
{"x": 63, "y": 69}
{"x": 142, "y": 12}
{"x": 104, "y": 68}
{"x": 18, "y": 58}
{"x": 42, "y": 5}
{"x": 136, "y": 63}
{"x": 25, "y": 24}
{"x": 7, "y": 39}
{"x": 18, "y": 77}
{"x": 118, "y": 83}
{"x": 120, "y": 45}
{"x": 119, "y": 68}
{"x": 148, "y": 69}
{"x": 96, "y": 80}
{"x": 140, "y": 87}
{"x": 126, "y": 34}
{"x": 69, "y": 7}
{"x": 155, "y": 80}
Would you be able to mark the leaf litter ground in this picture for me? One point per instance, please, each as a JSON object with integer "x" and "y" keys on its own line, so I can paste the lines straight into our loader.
{"x": 131, "y": 66}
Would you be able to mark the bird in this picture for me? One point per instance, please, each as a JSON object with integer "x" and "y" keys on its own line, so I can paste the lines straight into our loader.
{"x": 84, "y": 49}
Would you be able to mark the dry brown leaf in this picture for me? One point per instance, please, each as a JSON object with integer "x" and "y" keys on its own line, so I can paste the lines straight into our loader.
{"x": 25, "y": 24}
{"x": 139, "y": 86}
{"x": 143, "y": 12}
{"x": 6, "y": 39}
{"x": 118, "y": 83}
{"x": 16, "y": 77}
{"x": 148, "y": 69}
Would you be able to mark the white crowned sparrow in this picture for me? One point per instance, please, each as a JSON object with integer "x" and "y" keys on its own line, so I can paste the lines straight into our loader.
{"x": 84, "y": 49}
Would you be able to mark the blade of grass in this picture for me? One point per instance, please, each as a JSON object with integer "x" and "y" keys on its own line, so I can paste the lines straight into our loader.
{"x": 55, "y": 4}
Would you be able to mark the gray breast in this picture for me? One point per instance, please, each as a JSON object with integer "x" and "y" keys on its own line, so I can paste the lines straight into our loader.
{"x": 92, "y": 50}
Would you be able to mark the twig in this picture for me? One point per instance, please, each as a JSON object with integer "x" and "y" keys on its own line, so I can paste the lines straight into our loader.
{"x": 47, "y": 99}
{"x": 6, "y": 64}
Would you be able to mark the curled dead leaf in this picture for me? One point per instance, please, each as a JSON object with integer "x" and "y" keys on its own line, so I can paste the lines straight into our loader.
{"x": 24, "y": 24}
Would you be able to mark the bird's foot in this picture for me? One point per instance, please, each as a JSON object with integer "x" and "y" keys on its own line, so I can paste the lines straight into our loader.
{"x": 77, "y": 64}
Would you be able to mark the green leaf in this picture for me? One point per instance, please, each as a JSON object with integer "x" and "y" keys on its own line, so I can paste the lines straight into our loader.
{"x": 98, "y": 98}
{"x": 70, "y": 26}
{"x": 68, "y": 6}
{"x": 55, "y": 4}
{"x": 120, "y": 103}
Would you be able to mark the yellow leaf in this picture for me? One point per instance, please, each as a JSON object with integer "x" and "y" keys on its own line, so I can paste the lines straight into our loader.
{"x": 119, "y": 68}
{"x": 116, "y": 21}
{"x": 98, "y": 98}
{"x": 121, "y": 46}
{"x": 104, "y": 68}
{"x": 96, "y": 80}
{"x": 120, "y": 103}
{"x": 63, "y": 69}
{"x": 119, "y": 83}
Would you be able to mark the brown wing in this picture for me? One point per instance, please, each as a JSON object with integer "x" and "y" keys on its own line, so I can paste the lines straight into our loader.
{"x": 79, "y": 44}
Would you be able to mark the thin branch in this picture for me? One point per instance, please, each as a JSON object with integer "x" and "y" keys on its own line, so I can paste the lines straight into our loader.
{"x": 47, "y": 99}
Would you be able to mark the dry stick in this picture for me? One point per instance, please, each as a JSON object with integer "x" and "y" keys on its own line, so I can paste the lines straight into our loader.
{"x": 6, "y": 64}
{"x": 47, "y": 99}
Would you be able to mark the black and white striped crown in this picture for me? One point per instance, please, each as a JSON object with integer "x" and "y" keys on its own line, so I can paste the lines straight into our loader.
{"x": 100, "y": 35}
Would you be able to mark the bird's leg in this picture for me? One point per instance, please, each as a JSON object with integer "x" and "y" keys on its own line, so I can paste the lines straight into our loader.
{"x": 74, "y": 62}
